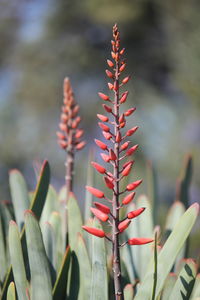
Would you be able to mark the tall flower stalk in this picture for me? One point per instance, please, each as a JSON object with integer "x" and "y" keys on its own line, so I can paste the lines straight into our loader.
{"x": 69, "y": 136}
{"x": 114, "y": 154}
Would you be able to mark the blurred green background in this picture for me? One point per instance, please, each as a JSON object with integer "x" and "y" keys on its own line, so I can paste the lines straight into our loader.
{"x": 44, "y": 41}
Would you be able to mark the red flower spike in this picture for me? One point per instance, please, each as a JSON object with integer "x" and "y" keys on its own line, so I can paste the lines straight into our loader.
{"x": 105, "y": 157}
{"x": 122, "y": 51}
{"x": 94, "y": 231}
{"x": 98, "y": 167}
{"x": 104, "y": 127}
{"x": 107, "y": 135}
{"x": 129, "y": 111}
{"x": 101, "y": 144}
{"x": 110, "y": 63}
{"x": 126, "y": 79}
{"x": 132, "y": 131}
{"x": 123, "y": 225}
{"x": 63, "y": 144}
{"x": 139, "y": 241}
{"x": 131, "y": 150}
{"x": 79, "y": 133}
{"x": 113, "y": 55}
{"x": 99, "y": 214}
{"x": 124, "y": 146}
{"x": 63, "y": 127}
{"x": 127, "y": 170}
{"x": 80, "y": 145}
{"x": 107, "y": 108}
{"x": 122, "y": 68}
{"x": 135, "y": 213}
{"x": 118, "y": 137}
{"x": 103, "y": 97}
{"x": 109, "y": 74}
{"x": 123, "y": 97}
{"x": 109, "y": 183}
{"x": 60, "y": 135}
{"x": 110, "y": 86}
{"x": 128, "y": 198}
{"x": 102, "y": 118}
{"x": 102, "y": 207}
{"x": 112, "y": 155}
{"x": 97, "y": 193}
{"x": 133, "y": 185}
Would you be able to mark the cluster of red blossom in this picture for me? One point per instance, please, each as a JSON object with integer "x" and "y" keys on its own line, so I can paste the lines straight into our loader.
{"x": 70, "y": 135}
{"x": 111, "y": 129}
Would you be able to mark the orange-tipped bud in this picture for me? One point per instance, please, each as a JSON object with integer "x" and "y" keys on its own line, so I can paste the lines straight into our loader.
{"x": 110, "y": 63}
{"x": 129, "y": 111}
{"x": 133, "y": 185}
{"x": 107, "y": 135}
{"x": 64, "y": 118}
{"x": 99, "y": 214}
{"x": 103, "y": 97}
{"x": 118, "y": 137}
{"x": 107, "y": 108}
{"x": 80, "y": 145}
{"x": 122, "y": 51}
{"x": 123, "y": 66}
{"x": 97, "y": 193}
{"x": 105, "y": 157}
{"x": 123, "y": 97}
{"x": 79, "y": 133}
{"x": 94, "y": 231}
{"x": 102, "y": 118}
{"x": 121, "y": 118}
{"x": 113, "y": 54}
{"x": 109, "y": 183}
{"x": 104, "y": 127}
{"x": 105, "y": 209}
{"x": 98, "y": 167}
{"x": 132, "y": 131}
{"x": 127, "y": 169}
{"x": 124, "y": 146}
{"x": 112, "y": 155}
{"x": 60, "y": 135}
{"x": 63, "y": 144}
{"x": 109, "y": 74}
{"x": 139, "y": 241}
{"x": 101, "y": 144}
{"x": 128, "y": 198}
{"x": 110, "y": 86}
{"x": 131, "y": 150}
{"x": 122, "y": 125}
{"x": 126, "y": 79}
{"x": 135, "y": 213}
{"x": 123, "y": 225}
{"x": 75, "y": 110}
{"x": 63, "y": 127}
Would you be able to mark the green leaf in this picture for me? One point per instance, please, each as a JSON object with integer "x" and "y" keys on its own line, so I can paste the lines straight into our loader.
{"x": 36, "y": 206}
{"x": 152, "y": 189}
{"x": 39, "y": 268}
{"x": 85, "y": 269}
{"x": 90, "y": 182}
{"x": 59, "y": 290}
{"x": 74, "y": 221}
{"x": 51, "y": 204}
{"x": 168, "y": 286}
{"x": 168, "y": 253}
{"x": 3, "y": 258}
{"x": 19, "y": 194}
{"x": 128, "y": 292}
{"x": 17, "y": 261}
{"x": 196, "y": 288}
{"x": 99, "y": 285}
{"x": 48, "y": 236}
{"x": 185, "y": 281}
{"x": 155, "y": 275}
{"x": 11, "y": 295}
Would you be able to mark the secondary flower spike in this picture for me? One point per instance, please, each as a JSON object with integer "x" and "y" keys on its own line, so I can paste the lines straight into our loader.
{"x": 70, "y": 135}
{"x": 116, "y": 149}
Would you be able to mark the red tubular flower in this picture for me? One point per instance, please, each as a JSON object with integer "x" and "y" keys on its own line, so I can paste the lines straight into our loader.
{"x": 102, "y": 118}
{"x": 123, "y": 97}
{"x": 107, "y": 108}
{"x": 97, "y": 193}
{"x": 139, "y": 241}
{"x": 94, "y": 231}
{"x": 127, "y": 169}
{"x": 133, "y": 185}
{"x": 135, "y": 213}
{"x": 98, "y": 167}
{"x": 103, "y": 96}
{"x": 101, "y": 144}
{"x": 110, "y": 63}
{"x": 105, "y": 209}
{"x": 124, "y": 146}
{"x": 107, "y": 135}
{"x": 123, "y": 225}
{"x": 128, "y": 198}
{"x": 99, "y": 214}
{"x": 126, "y": 79}
{"x": 104, "y": 127}
{"x": 131, "y": 150}
{"x": 112, "y": 155}
{"x": 132, "y": 131}
{"x": 109, "y": 74}
{"x": 129, "y": 111}
{"x": 109, "y": 183}
{"x": 80, "y": 145}
{"x": 105, "y": 157}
